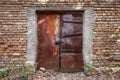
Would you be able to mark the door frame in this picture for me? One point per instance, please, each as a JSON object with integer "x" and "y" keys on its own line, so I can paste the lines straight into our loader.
{"x": 88, "y": 20}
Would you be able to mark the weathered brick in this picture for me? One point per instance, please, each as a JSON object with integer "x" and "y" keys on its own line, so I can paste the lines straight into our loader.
{"x": 106, "y": 29}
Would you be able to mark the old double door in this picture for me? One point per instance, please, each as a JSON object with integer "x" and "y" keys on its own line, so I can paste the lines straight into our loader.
{"x": 60, "y": 41}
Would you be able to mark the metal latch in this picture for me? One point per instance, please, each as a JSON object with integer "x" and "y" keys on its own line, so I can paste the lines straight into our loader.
{"x": 57, "y": 41}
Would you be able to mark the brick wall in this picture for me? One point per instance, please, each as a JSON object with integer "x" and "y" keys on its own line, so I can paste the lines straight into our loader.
{"x": 106, "y": 29}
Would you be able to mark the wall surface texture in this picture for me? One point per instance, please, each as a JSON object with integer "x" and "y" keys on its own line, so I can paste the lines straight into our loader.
{"x": 105, "y": 31}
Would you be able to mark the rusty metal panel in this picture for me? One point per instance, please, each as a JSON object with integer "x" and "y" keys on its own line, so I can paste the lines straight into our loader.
{"x": 71, "y": 63}
{"x": 71, "y": 42}
{"x": 71, "y": 28}
{"x": 72, "y": 17}
{"x": 47, "y": 50}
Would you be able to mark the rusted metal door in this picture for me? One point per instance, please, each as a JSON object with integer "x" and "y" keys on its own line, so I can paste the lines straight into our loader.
{"x": 47, "y": 50}
{"x": 71, "y": 42}
{"x": 60, "y": 41}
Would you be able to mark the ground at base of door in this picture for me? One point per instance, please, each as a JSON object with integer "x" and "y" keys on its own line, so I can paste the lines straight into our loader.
{"x": 51, "y": 75}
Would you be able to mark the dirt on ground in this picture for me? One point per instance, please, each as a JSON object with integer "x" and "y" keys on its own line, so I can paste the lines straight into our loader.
{"x": 52, "y": 75}
{"x": 23, "y": 73}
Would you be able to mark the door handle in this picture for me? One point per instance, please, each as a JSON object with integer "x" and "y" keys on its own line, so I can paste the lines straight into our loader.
{"x": 57, "y": 41}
